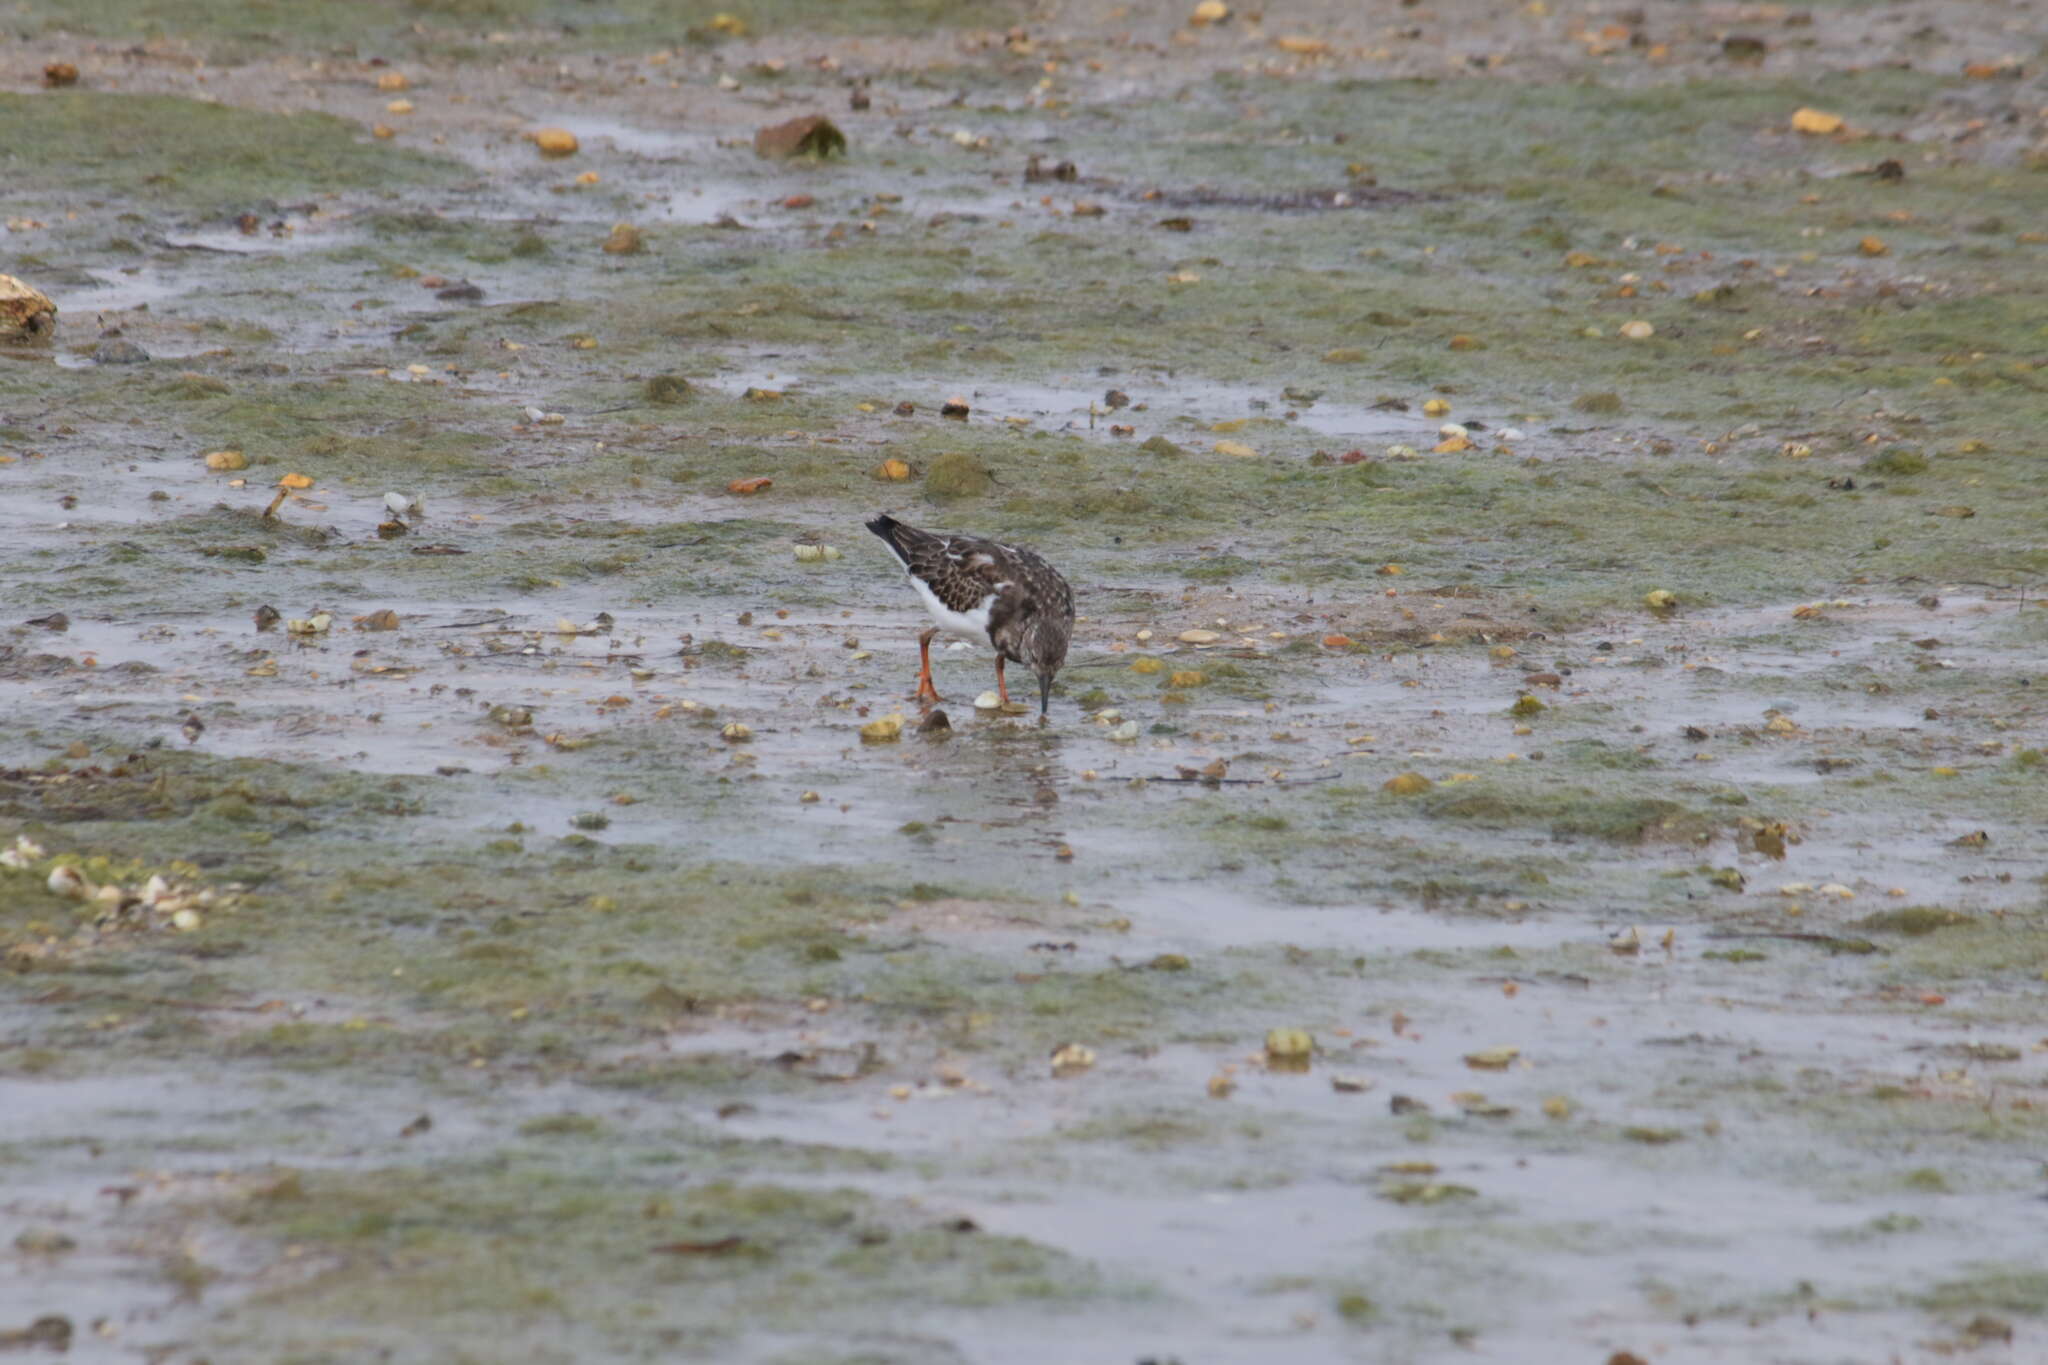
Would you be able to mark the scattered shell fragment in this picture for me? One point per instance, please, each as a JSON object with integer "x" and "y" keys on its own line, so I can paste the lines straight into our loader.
{"x": 25, "y": 853}
{"x": 988, "y": 701}
{"x": 1492, "y": 1058}
{"x": 1816, "y": 122}
{"x": 811, "y": 135}
{"x": 1289, "y": 1048}
{"x": 1070, "y": 1058}
{"x": 224, "y": 461}
{"x": 888, "y": 728}
{"x": 736, "y": 733}
{"x": 1637, "y": 330}
{"x": 554, "y": 142}
{"x": 1199, "y": 637}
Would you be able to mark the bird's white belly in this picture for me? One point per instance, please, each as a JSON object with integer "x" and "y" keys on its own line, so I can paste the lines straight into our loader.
{"x": 968, "y": 625}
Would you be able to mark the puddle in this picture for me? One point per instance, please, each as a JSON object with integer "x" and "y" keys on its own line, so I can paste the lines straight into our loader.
{"x": 1075, "y": 403}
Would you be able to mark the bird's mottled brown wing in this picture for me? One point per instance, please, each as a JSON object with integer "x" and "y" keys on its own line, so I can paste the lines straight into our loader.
{"x": 961, "y": 570}
{"x": 1032, "y": 615}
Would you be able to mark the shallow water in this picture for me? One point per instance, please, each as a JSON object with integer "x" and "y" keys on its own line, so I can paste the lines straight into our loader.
{"x": 720, "y": 1037}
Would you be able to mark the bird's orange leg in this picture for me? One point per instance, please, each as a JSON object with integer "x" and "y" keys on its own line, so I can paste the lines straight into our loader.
{"x": 925, "y": 690}
{"x": 1001, "y": 691}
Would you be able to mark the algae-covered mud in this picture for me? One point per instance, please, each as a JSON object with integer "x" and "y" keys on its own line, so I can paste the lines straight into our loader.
{"x": 1537, "y": 854}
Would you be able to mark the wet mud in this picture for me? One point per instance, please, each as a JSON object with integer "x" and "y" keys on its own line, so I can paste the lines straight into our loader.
{"x": 450, "y": 910}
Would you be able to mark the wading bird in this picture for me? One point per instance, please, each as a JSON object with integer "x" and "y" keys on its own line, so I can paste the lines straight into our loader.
{"x": 985, "y": 591}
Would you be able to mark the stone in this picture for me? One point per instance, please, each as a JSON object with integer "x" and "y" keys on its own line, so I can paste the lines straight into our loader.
{"x": 26, "y": 313}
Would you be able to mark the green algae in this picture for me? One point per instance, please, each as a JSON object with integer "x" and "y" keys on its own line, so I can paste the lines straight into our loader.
{"x": 954, "y": 474}
{"x": 1990, "y": 1285}
{"x": 1576, "y": 813}
{"x": 634, "y": 1254}
{"x": 1914, "y": 921}
{"x": 189, "y": 154}
{"x": 248, "y": 30}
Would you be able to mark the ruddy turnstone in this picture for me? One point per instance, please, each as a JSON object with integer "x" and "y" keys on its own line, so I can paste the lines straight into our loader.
{"x": 982, "y": 590}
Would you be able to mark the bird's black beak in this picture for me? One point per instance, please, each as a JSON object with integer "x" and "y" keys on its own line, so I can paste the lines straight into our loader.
{"x": 1044, "y": 693}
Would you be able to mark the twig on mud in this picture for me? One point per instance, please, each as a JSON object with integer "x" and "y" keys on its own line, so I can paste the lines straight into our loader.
{"x": 1834, "y": 941}
{"x": 520, "y": 656}
{"x": 1199, "y": 780}
{"x": 169, "y": 245}
{"x": 64, "y": 995}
